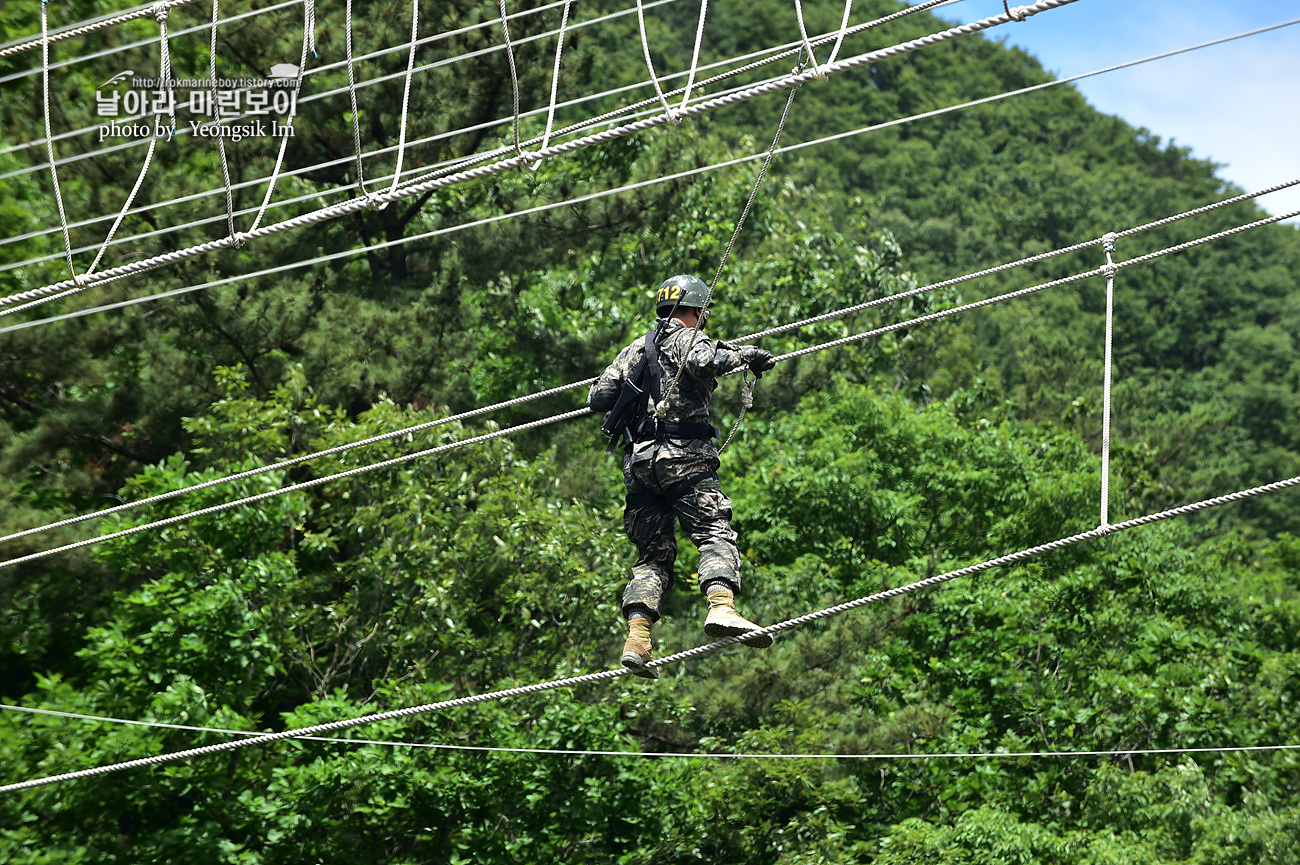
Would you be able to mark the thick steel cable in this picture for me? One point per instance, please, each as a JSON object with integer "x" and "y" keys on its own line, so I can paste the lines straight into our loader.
{"x": 1108, "y": 246}
{"x": 221, "y": 139}
{"x": 49, "y": 142}
{"x": 165, "y": 76}
{"x": 879, "y": 331}
{"x": 108, "y": 52}
{"x": 698, "y": 651}
{"x": 708, "y": 755}
{"x": 92, "y": 27}
{"x": 406, "y": 91}
{"x": 514, "y": 73}
{"x": 649, "y": 64}
{"x": 479, "y": 172}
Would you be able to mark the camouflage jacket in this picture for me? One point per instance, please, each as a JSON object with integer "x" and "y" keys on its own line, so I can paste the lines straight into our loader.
{"x": 689, "y": 403}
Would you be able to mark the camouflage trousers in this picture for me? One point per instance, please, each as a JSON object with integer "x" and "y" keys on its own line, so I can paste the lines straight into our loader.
{"x": 664, "y": 487}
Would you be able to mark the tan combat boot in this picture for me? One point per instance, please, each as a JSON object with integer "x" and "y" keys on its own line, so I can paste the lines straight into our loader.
{"x": 636, "y": 651}
{"x": 724, "y": 621}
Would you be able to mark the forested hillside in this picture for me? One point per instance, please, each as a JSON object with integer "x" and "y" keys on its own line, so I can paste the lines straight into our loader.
{"x": 884, "y": 462}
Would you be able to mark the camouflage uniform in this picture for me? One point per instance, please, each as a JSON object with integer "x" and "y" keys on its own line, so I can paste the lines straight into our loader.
{"x": 674, "y": 478}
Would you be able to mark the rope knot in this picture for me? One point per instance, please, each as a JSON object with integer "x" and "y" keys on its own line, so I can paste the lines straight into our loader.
{"x": 241, "y": 238}
{"x": 160, "y": 11}
{"x": 1109, "y": 240}
{"x": 1017, "y": 13}
{"x": 79, "y": 280}
{"x": 373, "y": 202}
{"x": 1109, "y": 269}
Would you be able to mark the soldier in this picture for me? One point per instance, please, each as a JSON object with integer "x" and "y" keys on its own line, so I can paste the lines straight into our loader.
{"x": 670, "y": 467}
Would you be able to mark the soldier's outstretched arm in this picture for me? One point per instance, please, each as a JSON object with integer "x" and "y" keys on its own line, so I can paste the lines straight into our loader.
{"x": 709, "y": 358}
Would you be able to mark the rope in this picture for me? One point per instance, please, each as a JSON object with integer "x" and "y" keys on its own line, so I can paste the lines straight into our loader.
{"x": 352, "y": 96}
{"x": 289, "y": 463}
{"x": 49, "y": 144}
{"x": 662, "y": 406}
{"x": 102, "y": 24}
{"x": 406, "y": 91}
{"x": 165, "y": 74}
{"x": 844, "y": 29}
{"x": 746, "y": 403}
{"x": 649, "y": 64}
{"x": 604, "y": 118}
{"x": 609, "y": 192}
{"x": 695, "y": 54}
{"x": 335, "y": 211}
{"x": 108, "y": 52}
{"x": 221, "y": 140}
{"x": 1016, "y": 14}
{"x": 514, "y": 73}
{"x": 555, "y": 82}
{"x": 1108, "y": 244}
{"x": 925, "y": 319}
{"x": 711, "y": 755}
{"x": 807, "y": 46}
{"x": 699, "y": 651}
{"x": 678, "y": 176}
{"x": 308, "y": 41}
{"x": 305, "y": 485}
{"x": 320, "y": 69}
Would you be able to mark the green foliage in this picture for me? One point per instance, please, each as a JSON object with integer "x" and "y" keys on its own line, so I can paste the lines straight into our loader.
{"x": 873, "y": 466}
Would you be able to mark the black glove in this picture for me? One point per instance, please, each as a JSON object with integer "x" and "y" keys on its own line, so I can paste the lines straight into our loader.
{"x": 757, "y": 359}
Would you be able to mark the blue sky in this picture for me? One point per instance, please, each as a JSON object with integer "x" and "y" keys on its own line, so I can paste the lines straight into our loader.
{"x": 1236, "y": 104}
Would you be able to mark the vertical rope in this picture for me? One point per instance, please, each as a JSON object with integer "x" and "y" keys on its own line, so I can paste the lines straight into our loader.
{"x": 308, "y": 41}
{"x": 844, "y": 29}
{"x": 165, "y": 74}
{"x": 406, "y": 96}
{"x": 1108, "y": 244}
{"x": 352, "y": 95}
{"x": 221, "y": 141}
{"x": 555, "y": 83}
{"x": 49, "y": 141}
{"x": 726, "y": 253}
{"x": 514, "y": 73}
{"x": 649, "y": 64}
{"x": 807, "y": 45}
{"x": 695, "y": 55}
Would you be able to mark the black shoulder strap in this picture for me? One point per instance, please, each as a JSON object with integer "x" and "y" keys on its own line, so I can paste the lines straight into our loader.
{"x": 653, "y": 369}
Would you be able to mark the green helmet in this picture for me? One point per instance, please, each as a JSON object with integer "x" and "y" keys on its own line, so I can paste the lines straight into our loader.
{"x": 679, "y": 292}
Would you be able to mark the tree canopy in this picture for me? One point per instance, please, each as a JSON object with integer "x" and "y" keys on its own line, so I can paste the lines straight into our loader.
{"x": 875, "y": 465}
